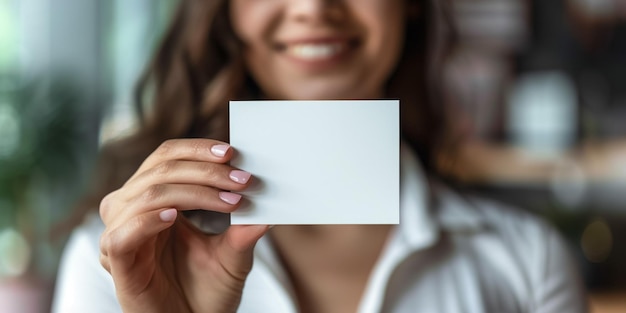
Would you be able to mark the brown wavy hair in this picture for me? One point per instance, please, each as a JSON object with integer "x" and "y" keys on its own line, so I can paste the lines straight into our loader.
{"x": 199, "y": 67}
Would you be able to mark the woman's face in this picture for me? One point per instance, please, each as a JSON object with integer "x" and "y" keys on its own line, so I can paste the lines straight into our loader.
{"x": 320, "y": 49}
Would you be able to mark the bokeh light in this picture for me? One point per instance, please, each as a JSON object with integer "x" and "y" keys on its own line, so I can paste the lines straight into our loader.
{"x": 15, "y": 253}
{"x": 8, "y": 37}
{"x": 597, "y": 241}
{"x": 543, "y": 110}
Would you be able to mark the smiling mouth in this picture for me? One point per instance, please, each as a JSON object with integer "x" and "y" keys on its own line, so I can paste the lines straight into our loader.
{"x": 316, "y": 51}
{"x": 319, "y": 50}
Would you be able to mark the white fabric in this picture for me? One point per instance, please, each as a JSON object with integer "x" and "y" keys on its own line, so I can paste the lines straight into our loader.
{"x": 449, "y": 254}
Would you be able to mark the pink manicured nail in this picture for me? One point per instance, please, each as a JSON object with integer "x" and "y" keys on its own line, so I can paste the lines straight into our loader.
{"x": 229, "y": 197}
{"x": 168, "y": 215}
{"x": 220, "y": 150}
{"x": 239, "y": 176}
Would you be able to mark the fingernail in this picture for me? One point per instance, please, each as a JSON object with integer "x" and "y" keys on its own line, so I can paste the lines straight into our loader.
{"x": 229, "y": 197}
{"x": 219, "y": 150}
{"x": 239, "y": 176}
{"x": 168, "y": 215}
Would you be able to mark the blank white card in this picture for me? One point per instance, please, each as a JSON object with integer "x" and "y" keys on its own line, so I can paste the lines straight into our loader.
{"x": 317, "y": 162}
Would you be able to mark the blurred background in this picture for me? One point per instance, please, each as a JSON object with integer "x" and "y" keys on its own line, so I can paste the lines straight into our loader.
{"x": 536, "y": 90}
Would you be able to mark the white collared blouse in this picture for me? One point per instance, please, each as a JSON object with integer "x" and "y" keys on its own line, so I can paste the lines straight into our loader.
{"x": 449, "y": 254}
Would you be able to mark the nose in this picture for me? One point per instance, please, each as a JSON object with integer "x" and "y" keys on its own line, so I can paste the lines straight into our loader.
{"x": 314, "y": 11}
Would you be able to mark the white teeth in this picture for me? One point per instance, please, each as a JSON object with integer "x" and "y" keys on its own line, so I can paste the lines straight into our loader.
{"x": 315, "y": 51}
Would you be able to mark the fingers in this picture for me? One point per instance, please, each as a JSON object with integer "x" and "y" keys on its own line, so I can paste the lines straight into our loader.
{"x": 196, "y": 149}
{"x": 180, "y": 196}
{"x": 120, "y": 243}
{"x": 153, "y": 182}
{"x": 191, "y": 172}
{"x": 185, "y": 197}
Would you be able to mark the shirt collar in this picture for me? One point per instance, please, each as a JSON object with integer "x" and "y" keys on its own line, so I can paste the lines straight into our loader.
{"x": 457, "y": 212}
{"x": 428, "y": 208}
{"x": 417, "y": 226}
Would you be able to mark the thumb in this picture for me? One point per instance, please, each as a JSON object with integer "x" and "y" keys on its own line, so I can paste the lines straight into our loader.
{"x": 238, "y": 246}
{"x": 243, "y": 238}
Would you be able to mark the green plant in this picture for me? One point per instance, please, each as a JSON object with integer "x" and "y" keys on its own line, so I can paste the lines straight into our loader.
{"x": 42, "y": 135}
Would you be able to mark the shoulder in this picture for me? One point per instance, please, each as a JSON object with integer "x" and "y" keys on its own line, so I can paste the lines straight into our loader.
{"x": 523, "y": 248}
{"x": 493, "y": 218}
{"x": 525, "y": 236}
{"x": 83, "y": 285}
{"x": 84, "y": 241}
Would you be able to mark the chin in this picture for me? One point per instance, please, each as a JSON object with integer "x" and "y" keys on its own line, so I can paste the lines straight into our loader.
{"x": 322, "y": 96}
{"x": 330, "y": 93}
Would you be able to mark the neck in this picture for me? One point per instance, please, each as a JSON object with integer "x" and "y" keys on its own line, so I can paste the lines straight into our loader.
{"x": 329, "y": 265}
{"x": 329, "y": 233}
{"x": 306, "y": 242}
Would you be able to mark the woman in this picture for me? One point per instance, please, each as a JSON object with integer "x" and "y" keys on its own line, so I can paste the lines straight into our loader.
{"x": 449, "y": 254}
